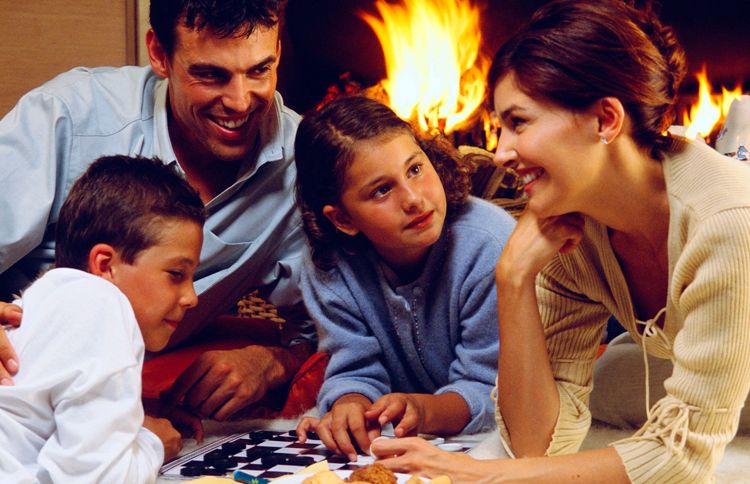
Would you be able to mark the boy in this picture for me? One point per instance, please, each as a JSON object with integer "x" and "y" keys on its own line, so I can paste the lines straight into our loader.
{"x": 128, "y": 242}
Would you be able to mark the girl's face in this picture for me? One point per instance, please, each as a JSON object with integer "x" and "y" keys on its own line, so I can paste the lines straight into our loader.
{"x": 552, "y": 149}
{"x": 392, "y": 195}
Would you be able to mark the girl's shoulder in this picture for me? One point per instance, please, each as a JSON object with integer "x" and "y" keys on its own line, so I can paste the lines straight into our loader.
{"x": 481, "y": 217}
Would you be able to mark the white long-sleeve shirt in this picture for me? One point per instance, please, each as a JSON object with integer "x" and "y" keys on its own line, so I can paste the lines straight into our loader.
{"x": 75, "y": 414}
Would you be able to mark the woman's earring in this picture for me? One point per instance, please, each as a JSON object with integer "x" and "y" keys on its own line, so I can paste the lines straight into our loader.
{"x": 604, "y": 141}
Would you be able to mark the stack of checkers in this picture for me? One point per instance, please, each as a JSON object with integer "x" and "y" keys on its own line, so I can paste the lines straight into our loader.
{"x": 254, "y": 306}
{"x": 269, "y": 454}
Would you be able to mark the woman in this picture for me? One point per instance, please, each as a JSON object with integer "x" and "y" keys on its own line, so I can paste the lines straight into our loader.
{"x": 622, "y": 220}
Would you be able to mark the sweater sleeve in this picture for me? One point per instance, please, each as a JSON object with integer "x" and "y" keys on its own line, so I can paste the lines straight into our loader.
{"x": 573, "y": 326}
{"x": 355, "y": 353}
{"x": 472, "y": 372}
{"x": 688, "y": 430}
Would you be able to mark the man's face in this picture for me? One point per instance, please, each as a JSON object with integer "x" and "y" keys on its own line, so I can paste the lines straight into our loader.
{"x": 219, "y": 90}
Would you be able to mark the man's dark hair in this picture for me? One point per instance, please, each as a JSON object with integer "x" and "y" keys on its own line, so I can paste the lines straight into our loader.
{"x": 122, "y": 201}
{"x": 226, "y": 18}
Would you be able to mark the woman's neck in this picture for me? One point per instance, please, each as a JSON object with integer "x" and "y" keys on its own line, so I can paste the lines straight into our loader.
{"x": 633, "y": 198}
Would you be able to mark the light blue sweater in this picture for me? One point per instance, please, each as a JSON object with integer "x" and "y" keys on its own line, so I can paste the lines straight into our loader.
{"x": 437, "y": 334}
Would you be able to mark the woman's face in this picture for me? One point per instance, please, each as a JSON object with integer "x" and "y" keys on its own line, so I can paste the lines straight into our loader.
{"x": 553, "y": 150}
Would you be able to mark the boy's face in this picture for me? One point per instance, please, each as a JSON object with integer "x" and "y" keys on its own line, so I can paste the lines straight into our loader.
{"x": 159, "y": 282}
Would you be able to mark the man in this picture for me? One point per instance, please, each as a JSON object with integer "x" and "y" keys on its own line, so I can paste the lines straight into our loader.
{"x": 208, "y": 104}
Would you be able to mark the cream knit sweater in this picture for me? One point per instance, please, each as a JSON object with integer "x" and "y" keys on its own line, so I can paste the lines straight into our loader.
{"x": 705, "y": 329}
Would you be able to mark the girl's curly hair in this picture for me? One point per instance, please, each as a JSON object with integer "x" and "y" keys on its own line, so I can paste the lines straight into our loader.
{"x": 324, "y": 148}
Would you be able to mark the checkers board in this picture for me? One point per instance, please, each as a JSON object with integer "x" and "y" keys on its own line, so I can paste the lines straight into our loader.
{"x": 269, "y": 454}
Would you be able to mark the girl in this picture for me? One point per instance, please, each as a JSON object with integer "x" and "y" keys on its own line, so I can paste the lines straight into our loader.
{"x": 399, "y": 279}
{"x": 622, "y": 220}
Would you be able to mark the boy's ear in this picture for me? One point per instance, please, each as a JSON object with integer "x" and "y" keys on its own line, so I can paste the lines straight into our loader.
{"x": 610, "y": 115}
{"x": 102, "y": 259}
{"x": 340, "y": 219}
{"x": 157, "y": 55}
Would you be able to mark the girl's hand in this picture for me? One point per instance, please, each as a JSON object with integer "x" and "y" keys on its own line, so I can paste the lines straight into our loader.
{"x": 413, "y": 455}
{"x": 398, "y": 407}
{"x": 307, "y": 424}
{"x": 534, "y": 242}
{"x": 346, "y": 420}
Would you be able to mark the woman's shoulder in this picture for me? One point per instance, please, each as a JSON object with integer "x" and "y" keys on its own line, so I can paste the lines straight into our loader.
{"x": 703, "y": 181}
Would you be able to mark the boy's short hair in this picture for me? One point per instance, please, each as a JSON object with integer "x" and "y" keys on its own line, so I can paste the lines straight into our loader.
{"x": 226, "y": 18}
{"x": 120, "y": 201}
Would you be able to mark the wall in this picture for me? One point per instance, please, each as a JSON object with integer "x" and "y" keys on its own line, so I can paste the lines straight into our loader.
{"x": 41, "y": 38}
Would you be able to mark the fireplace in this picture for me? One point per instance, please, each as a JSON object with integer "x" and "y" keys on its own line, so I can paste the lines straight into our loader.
{"x": 326, "y": 38}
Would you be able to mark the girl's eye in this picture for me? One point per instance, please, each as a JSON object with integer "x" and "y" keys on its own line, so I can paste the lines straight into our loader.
{"x": 415, "y": 169}
{"x": 381, "y": 191}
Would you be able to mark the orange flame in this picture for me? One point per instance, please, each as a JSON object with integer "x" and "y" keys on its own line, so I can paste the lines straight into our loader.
{"x": 710, "y": 109}
{"x": 435, "y": 69}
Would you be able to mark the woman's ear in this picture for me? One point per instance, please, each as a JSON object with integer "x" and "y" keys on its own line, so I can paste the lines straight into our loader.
{"x": 610, "y": 115}
{"x": 340, "y": 219}
{"x": 157, "y": 55}
{"x": 102, "y": 261}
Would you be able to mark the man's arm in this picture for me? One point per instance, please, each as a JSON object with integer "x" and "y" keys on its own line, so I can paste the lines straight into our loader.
{"x": 9, "y": 314}
{"x": 219, "y": 383}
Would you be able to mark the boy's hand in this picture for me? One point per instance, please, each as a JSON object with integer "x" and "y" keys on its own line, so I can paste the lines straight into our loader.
{"x": 9, "y": 314}
{"x": 402, "y": 408}
{"x": 169, "y": 436}
{"x": 184, "y": 421}
{"x": 346, "y": 420}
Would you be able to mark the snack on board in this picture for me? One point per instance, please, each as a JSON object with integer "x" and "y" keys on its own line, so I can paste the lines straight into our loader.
{"x": 323, "y": 477}
{"x": 374, "y": 474}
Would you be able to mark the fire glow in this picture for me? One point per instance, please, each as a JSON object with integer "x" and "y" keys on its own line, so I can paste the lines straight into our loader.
{"x": 435, "y": 69}
{"x": 710, "y": 110}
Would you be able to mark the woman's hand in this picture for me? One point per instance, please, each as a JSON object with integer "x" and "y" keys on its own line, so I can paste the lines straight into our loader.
{"x": 402, "y": 408}
{"x": 345, "y": 420}
{"x": 534, "y": 242}
{"x": 413, "y": 455}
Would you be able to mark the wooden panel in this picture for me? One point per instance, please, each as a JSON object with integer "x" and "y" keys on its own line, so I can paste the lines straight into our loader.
{"x": 41, "y": 38}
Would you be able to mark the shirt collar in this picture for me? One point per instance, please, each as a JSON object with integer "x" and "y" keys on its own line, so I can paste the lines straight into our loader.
{"x": 270, "y": 141}
{"x": 162, "y": 144}
{"x": 271, "y": 135}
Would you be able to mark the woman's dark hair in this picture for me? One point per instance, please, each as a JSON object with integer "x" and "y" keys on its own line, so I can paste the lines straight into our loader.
{"x": 574, "y": 52}
{"x": 225, "y": 18}
{"x": 122, "y": 201}
{"x": 324, "y": 148}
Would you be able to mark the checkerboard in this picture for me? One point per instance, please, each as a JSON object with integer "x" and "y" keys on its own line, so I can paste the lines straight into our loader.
{"x": 269, "y": 454}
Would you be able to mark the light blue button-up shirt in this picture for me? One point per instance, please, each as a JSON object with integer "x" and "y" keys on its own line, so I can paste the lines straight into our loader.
{"x": 253, "y": 236}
